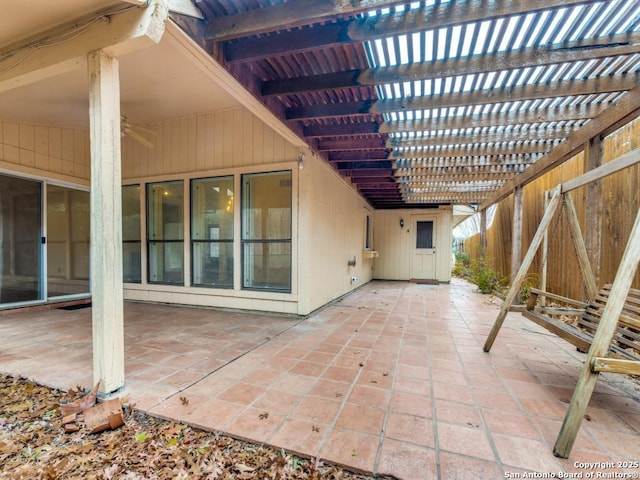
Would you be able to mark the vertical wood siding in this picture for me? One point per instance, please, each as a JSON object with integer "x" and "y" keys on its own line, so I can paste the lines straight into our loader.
{"x": 61, "y": 153}
{"x": 205, "y": 142}
{"x": 395, "y": 244}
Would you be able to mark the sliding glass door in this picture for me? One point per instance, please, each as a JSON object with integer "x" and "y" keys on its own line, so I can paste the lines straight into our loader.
{"x": 20, "y": 240}
{"x": 68, "y": 224}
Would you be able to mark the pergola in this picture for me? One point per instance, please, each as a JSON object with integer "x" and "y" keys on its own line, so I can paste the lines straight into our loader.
{"x": 433, "y": 102}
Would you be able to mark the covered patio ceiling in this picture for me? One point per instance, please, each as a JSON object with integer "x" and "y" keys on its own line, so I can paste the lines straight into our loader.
{"x": 432, "y": 102}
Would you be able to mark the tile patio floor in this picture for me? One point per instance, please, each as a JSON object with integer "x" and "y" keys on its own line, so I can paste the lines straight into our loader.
{"x": 392, "y": 379}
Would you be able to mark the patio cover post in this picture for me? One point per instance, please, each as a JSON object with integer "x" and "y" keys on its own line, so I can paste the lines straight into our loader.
{"x": 106, "y": 222}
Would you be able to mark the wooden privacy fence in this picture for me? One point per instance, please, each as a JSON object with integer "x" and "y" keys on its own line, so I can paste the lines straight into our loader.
{"x": 620, "y": 199}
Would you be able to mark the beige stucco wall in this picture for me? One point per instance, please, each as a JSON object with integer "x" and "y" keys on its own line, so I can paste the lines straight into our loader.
{"x": 395, "y": 244}
{"x": 332, "y": 224}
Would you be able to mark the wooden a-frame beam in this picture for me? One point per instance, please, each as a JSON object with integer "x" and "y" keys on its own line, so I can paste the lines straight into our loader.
{"x": 494, "y": 119}
{"x": 356, "y": 30}
{"x": 590, "y": 86}
{"x": 113, "y": 31}
{"x": 523, "y": 58}
{"x": 287, "y": 15}
{"x": 624, "y": 110}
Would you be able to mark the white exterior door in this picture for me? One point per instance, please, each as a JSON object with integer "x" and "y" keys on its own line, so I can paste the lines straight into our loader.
{"x": 423, "y": 265}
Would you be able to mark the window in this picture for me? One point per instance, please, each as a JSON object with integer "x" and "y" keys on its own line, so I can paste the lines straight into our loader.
{"x": 165, "y": 227}
{"x": 424, "y": 234}
{"x": 368, "y": 231}
{"x": 131, "y": 241}
{"x": 212, "y": 232}
{"x": 266, "y": 231}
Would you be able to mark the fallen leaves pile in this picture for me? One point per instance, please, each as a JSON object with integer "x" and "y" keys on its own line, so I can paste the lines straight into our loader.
{"x": 34, "y": 445}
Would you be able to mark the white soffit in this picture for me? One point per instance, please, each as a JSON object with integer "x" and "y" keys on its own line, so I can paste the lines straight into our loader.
{"x": 157, "y": 83}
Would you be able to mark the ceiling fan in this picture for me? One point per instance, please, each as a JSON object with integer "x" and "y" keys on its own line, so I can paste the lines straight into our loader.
{"x": 136, "y": 132}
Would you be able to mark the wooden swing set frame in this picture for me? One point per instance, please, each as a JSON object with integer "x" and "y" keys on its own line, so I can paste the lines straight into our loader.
{"x": 613, "y": 312}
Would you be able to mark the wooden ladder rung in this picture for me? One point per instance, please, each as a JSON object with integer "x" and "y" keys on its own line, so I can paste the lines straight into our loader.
{"x": 615, "y": 365}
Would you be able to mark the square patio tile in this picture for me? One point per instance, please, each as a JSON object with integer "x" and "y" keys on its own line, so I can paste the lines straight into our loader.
{"x": 355, "y": 449}
{"x": 406, "y": 460}
{"x": 464, "y": 440}
{"x": 409, "y": 428}
{"x": 458, "y": 467}
{"x": 361, "y": 418}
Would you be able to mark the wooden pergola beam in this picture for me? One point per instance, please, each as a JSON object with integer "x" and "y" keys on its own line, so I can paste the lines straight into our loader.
{"x": 454, "y": 177}
{"x": 367, "y": 172}
{"x": 339, "y": 130}
{"x": 490, "y": 160}
{"x": 356, "y": 30}
{"x": 287, "y": 15}
{"x": 626, "y": 109}
{"x": 352, "y": 143}
{"x": 528, "y": 135}
{"x": 475, "y": 151}
{"x": 474, "y": 64}
{"x": 567, "y": 113}
{"x": 358, "y": 155}
{"x": 591, "y": 86}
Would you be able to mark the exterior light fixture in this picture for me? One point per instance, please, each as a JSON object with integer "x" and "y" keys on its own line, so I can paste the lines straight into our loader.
{"x": 300, "y": 161}
{"x": 401, "y": 223}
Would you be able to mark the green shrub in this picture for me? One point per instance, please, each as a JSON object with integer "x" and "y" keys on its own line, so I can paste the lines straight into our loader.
{"x": 485, "y": 277}
{"x": 463, "y": 259}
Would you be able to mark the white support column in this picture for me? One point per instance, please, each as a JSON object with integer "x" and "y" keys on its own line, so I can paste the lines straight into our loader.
{"x": 106, "y": 222}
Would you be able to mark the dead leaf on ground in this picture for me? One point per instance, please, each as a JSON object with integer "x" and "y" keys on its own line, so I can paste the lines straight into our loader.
{"x": 81, "y": 404}
{"x": 184, "y": 401}
{"x": 144, "y": 444}
{"x": 263, "y": 416}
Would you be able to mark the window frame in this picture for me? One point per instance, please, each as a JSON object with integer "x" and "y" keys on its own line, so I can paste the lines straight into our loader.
{"x": 193, "y": 241}
{"x": 150, "y": 241}
{"x": 133, "y": 242}
{"x": 368, "y": 231}
{"x": 244, "y": 241}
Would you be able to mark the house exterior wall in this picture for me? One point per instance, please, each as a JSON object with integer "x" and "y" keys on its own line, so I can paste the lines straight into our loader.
{"x": 36, "y": 150}
{"x": 203, "y": 143}
{"x": 332, "y": 228}
{"x": 395, "y": 244}
{"x": 328, "y": 224}
{"x": 221, "y": 143}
